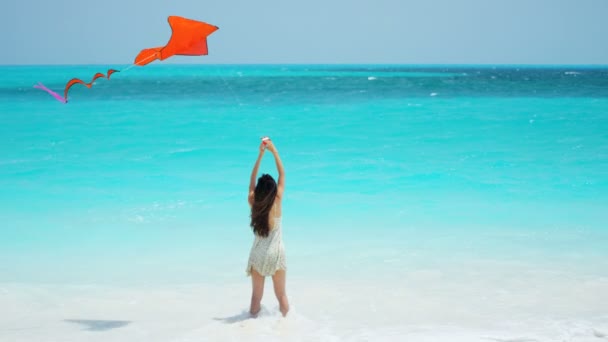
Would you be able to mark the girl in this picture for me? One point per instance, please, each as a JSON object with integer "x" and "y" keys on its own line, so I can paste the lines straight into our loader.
{"x": 267, "y": 256}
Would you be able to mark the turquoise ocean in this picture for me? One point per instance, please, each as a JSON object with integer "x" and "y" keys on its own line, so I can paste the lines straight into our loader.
{"x": 422, "y": 203}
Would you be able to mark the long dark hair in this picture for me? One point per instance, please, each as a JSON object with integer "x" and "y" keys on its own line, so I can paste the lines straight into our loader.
{"x": 264, "y": 195}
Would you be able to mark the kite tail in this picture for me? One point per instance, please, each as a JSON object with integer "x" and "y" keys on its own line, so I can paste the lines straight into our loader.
{"x": 52, "y": 93}
{"x": 88, "y": 85}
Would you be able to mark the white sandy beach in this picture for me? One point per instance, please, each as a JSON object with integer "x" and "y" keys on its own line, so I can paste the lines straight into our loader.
{"x": 431, "y": 305}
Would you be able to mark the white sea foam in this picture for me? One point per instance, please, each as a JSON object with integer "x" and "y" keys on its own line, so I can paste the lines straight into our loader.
{"x": 185, "y": 150}
{"x": 137, "y": 219}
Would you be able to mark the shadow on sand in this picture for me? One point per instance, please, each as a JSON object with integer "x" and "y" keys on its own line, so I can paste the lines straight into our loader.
{"x": 243, "y": 316}
{"x": 97, "y": 324}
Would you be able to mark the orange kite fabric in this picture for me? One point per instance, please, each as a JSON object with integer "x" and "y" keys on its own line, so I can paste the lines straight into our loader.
{"x": 189, "y": 38}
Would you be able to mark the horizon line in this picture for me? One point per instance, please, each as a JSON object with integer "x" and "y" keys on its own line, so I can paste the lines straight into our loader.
{"x": 326, "y": 64}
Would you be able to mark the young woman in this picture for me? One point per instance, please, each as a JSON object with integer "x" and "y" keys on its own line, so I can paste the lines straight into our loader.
{"x": 267, "y": 256}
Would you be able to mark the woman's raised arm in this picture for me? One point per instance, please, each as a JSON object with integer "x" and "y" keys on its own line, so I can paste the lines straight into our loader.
{"x": 281, "y": 181}
{"x": 254, "y": 174}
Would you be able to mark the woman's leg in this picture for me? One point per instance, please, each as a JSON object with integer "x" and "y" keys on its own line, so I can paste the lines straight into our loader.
{"x": 278, "y": 280}
{"x": 257, "y": 282}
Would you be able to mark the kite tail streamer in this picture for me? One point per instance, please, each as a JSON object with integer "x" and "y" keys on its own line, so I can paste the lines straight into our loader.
{"x": 64, "y": 98}
{"x": 88, "y": 85}
{"x": 54, "y": 94}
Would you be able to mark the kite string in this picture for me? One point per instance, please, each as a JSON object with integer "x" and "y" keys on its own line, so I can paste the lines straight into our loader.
{"x": 134, "y": 64}
{"x": 129, "y": 67}
{"x": 238, "y": 100}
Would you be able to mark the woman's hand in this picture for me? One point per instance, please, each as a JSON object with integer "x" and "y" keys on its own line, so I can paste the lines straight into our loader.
{"x": 270, "y": 146}
{"x": 262, "y": 147}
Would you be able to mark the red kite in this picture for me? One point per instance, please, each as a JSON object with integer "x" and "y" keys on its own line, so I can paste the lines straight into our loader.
{"x": 188, "y": 38}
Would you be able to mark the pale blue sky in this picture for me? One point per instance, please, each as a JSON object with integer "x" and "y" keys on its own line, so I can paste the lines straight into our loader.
{"x": 312, "y": 31}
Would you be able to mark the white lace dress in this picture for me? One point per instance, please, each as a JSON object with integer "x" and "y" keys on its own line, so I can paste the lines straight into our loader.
{"x": 268, "y": 253}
